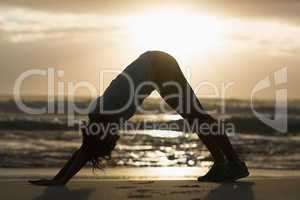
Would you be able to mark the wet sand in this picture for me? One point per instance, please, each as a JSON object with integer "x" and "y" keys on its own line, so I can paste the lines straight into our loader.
{"x": 150, "y": 183}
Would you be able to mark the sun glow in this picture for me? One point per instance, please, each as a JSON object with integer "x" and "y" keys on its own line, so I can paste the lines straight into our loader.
{"x": 180, "y": 33}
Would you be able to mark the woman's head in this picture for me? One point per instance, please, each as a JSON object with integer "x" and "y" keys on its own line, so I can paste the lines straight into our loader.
{"x": 98, "y": 143}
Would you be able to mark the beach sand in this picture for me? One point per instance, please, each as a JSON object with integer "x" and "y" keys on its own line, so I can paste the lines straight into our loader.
{"x": 150, "y": 183}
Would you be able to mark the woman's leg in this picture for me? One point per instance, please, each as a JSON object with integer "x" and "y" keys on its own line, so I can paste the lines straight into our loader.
{"x": 177, "y": 92}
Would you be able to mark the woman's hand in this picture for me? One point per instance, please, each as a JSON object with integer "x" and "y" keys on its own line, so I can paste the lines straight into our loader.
{"x": 47, "y": 182}
{"x": 77, "y": 161}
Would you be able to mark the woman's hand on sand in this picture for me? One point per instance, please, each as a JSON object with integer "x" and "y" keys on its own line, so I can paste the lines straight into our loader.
{"x": 46, "y": 182}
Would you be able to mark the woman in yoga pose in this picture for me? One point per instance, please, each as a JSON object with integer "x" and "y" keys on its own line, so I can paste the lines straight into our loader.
{"x": 153, "y": 70}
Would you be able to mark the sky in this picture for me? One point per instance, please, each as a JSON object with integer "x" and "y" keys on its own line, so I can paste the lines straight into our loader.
{"x": 217, "y": 43}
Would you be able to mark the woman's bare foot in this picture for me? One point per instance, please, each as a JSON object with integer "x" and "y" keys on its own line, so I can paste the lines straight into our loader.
{"x": 216, "y": 173}
{"x": 227, "y": 172}
{"x": 236, "y": 170}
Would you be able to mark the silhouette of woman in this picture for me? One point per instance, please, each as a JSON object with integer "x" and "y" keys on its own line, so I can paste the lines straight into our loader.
{"x": 153, "y": 70}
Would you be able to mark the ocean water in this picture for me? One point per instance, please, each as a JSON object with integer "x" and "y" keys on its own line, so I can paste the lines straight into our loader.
{"x": 46, "y": 140}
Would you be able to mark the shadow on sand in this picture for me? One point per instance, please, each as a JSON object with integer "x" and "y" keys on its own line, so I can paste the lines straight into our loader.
{"x": 237, "y": 190}
{"x": 63, "y": 192}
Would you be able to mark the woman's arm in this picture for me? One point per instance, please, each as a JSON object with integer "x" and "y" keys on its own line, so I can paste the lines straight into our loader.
{"x": 78, "y": 160}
